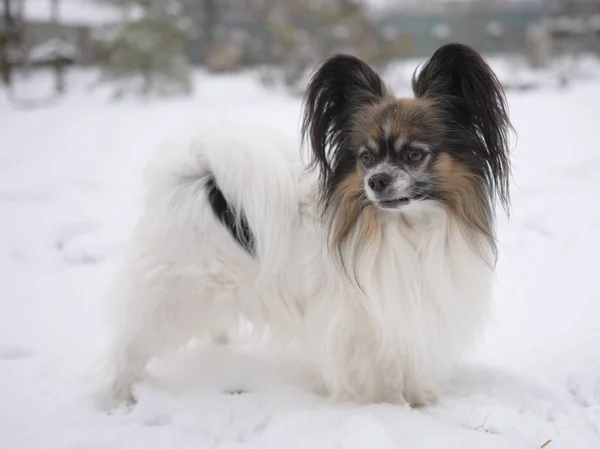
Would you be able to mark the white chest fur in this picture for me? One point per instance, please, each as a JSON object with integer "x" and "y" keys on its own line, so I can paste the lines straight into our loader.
{"x": 411, "y": 300}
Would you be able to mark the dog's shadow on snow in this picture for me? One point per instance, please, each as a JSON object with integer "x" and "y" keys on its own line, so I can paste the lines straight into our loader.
{"x": 493, "y": 400}
{"x": 477, "y": 397}
{"x": 230, "y": 370}
{"x": 234, "y": 370}
{"x": 485, "y": 381}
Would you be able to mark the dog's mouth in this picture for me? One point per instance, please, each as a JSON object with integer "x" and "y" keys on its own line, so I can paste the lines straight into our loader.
{"x": 393, "y": 204}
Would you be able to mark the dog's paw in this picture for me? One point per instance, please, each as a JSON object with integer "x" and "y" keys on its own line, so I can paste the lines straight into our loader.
{"x": 115, "y": 399}
{"x": 421, "y": 397}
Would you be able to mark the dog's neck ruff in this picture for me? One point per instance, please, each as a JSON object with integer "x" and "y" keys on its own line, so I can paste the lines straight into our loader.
{"x": 410, "y": 298}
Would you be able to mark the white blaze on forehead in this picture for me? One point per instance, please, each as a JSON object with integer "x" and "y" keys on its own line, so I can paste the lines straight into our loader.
{"x": 386, "y": 127}
{"x": 387, "y": 124}
{"x": 399, "y": 142}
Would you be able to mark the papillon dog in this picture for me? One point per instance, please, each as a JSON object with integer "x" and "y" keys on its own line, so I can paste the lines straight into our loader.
{"x": 375, "y": 256}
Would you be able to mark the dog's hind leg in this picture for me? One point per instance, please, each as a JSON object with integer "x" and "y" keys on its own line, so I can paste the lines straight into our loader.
{"x": 128, "y": 367}
{"x": 162, "y": 297}
{"x": 162, "y": 305}
{"x": 218, "y": 218}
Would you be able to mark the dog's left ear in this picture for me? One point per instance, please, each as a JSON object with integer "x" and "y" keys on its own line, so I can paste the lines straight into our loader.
{"x": 457, "y": 78}
{"x": 337, "y": 93}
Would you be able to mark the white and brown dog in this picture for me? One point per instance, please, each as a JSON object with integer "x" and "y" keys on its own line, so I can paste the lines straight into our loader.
{"x": 376, "y": 257}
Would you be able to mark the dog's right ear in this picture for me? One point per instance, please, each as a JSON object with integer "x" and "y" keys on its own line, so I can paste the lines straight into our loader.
{"x": 337, "y": 91}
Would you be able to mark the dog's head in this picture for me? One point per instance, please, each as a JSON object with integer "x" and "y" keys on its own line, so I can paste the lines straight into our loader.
{"x": 381, "y": 153}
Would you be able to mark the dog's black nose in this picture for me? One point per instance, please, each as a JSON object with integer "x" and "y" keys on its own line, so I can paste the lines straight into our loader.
{"x": 379, "y": 182}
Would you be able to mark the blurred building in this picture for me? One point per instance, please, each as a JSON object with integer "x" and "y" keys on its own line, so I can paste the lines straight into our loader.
{"x": 491, "y": 27}
{"x": 573, "y": 26}
{"x": 40, "y": 34}
{"x": 71, "y": 25}
{"x": 235, "y": 33}
{"x": 409, "y": 29}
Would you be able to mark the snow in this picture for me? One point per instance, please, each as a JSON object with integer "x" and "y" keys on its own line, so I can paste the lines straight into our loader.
{"x": 69, "y": 191}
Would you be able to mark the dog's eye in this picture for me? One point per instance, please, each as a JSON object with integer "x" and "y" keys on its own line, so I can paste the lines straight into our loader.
{"x": 415, "y": 155}
{"x": 367, "y": 158}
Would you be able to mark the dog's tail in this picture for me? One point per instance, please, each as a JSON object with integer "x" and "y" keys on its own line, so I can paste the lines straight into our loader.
{"x": 248, "y": 177}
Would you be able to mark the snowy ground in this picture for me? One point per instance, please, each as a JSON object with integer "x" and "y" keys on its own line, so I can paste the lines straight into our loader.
{"x": 69, "y": 182}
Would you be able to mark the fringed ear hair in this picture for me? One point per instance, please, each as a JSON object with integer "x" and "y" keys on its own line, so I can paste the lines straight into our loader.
{"x": 337, "y": 92}
{"x": 458, "y": 78}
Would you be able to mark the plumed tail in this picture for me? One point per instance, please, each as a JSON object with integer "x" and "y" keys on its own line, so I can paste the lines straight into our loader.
{"x": 255, "y": 182}
{"x": 260, "y": 186}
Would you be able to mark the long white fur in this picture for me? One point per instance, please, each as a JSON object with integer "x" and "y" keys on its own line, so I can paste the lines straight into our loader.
{"x": 425, "y": 291}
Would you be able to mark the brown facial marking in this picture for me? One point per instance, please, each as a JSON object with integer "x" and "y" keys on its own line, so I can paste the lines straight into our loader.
{"x": 406, "y": 118}
{"x": 353, "y": 212}
{"x": 464, "y": 196}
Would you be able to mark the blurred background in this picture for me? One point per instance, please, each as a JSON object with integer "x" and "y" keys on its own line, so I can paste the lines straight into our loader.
{"x": 89, "y": 89}
{"x": 149, "y": 47}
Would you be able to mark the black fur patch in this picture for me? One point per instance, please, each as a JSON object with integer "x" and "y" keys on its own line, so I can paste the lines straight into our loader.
{"x": 463, "y": 84}
{"x": 338, "y": 90}
{"x": 237, "y": 227}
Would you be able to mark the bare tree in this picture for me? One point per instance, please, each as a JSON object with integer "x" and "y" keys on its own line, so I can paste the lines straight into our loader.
{"x": 11, "y": 39}
{"x": 54, "y": 10}
{"x": 304, "y": 33}
{"x": 7, "y": 37}
{"x": 148, "y": 55}
{"x": 211, "y": 19}
{"x": 58, "y": 62}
